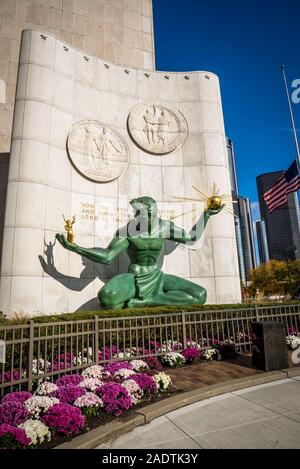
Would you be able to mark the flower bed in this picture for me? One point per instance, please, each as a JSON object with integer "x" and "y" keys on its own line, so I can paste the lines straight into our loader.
{"x": 75, "y": 403}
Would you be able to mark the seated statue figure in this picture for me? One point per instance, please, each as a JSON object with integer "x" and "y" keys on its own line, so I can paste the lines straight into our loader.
{"x": 143, "y": 240}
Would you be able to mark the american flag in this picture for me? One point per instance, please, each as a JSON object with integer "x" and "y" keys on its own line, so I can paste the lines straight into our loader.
{"x": 287, "y": 183}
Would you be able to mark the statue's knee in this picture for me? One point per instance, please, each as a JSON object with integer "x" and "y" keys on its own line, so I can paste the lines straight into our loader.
{"x": 201, "y": 295}
{"x": 108, "y": 296}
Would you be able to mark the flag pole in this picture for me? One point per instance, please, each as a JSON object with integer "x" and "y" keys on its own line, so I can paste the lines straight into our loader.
{"x": 292, "y": 116}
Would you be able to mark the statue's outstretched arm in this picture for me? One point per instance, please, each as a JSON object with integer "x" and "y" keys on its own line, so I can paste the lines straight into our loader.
{"x": 100, "y": 256}
{"x": 179, "y": 235}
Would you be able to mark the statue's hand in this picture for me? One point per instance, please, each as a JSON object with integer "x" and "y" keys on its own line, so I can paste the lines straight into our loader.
{"x": 63, "y": 241}
{"x": 210, "y": 212}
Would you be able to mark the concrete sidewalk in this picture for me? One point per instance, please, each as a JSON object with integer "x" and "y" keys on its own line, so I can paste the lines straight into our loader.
{"x": 264, "y": 416}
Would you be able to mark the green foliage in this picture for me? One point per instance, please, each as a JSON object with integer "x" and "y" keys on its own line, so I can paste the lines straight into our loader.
{"x": 277, "y": 278}
{"x": 117, "y": 313}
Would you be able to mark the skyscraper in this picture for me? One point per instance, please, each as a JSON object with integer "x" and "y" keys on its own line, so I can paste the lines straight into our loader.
{"x": 282, "y": 226}
{"x": 247, "y": 234}
{"x": 243, "y": 221}
{"x": 262, "y": 242}
{"x": 232, "y": 168}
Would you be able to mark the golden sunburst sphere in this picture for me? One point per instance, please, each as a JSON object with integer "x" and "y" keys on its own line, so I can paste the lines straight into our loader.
{"x": 214, "y": 202}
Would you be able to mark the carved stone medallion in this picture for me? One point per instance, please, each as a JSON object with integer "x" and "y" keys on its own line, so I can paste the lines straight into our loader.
{"x": 157, "y": 127}
{"x": 97, "y": 151}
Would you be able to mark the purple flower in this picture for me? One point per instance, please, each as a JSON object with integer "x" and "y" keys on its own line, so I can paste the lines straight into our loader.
{"x": 10, "y": 376}
{"x": 108, "y": 352}
{"x": 145, "y": 382}
{"x": 60, "y": 366}
{"x": 155, "y": 345}
{"x": 62, "y": 361}
{"x": 68, "y": 380}
{"x": 12, "y": 437}
{"x": 115, "y": 398}
{"x": 17, "y": 396}
{"x": 153, "y": 363}
{"x": 13, "y": 413}
{"x": 68, "y": 394}
{"x": 64, "y": 419}
{"x": 143, "y": 351}
{"x": 112, "y": 368}
{"x": 192, "y": 355}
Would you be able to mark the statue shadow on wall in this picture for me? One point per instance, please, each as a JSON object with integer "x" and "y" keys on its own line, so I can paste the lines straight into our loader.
{"x": 90, "y": 271}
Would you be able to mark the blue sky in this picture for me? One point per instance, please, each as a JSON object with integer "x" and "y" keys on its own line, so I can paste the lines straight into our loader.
{"x": 244, "y": 42}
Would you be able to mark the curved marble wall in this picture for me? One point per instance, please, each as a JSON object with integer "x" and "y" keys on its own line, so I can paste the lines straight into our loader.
{"x": 59, "y": 86}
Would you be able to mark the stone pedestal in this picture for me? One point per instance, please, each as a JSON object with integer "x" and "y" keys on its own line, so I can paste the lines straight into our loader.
{"x": 269, "y": 350}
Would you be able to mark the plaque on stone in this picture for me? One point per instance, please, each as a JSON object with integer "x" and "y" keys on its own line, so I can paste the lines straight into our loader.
{"x": 157, "y": 128}
{"x": 269, "y": 349}
{"x": 97, "y": 151}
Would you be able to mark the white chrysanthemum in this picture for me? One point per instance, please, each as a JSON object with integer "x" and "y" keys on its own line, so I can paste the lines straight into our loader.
{"x": 83, "y": 359}
{"x": 88, "y": 351}
{"x": 88, "y": 400}
{"x": 91, "y": 383}
{"x": 132, "y": 351}
{"x": 133, "y": 390}
{"x": 46, "y": 388}
{"x": 37, "y": 431}
{"x": 138, "y": 365}
{"x": 210, "y": 353}
{"x": 124, "y": 373}
{"x": 193, "y": 344}
{"x": 293, "y": 342}
{"x": 173, "y": 359}
{"x": 122, "y": 355}
{"x": 170, "y": 346}
{"x": 36, "y": 405}
{"x": 40, "y": 366}
{"x": 95, "y": 371}
{"x": 162, "y": 380}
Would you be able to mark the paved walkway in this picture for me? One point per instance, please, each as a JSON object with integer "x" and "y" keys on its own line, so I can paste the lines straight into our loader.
{"x": 264, "y": 416}
{"x": 204, "y": 373}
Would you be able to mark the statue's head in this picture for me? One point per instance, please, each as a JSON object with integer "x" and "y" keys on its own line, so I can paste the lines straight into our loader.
{"x": 144, "y": 205}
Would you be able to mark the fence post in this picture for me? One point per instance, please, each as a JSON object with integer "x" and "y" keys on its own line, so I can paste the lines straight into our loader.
{"x": 256, "y": 313}
{"x": 96, "y": 343}
{"x": 183, "y": 329}
{"x": 30, "y": 355}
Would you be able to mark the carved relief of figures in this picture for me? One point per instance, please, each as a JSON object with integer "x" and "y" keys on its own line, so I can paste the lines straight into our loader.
{"x": 98, "y": 151}
{"x": 148, "y": 129}
{"x": 105, "y": 144}
{"x": 157, "y": 128}
{"x": 156, "y": 125}
{"x": 163, "y": 124}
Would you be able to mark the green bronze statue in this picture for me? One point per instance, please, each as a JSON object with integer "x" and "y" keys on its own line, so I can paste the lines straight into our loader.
{"x": 143, "y": 240}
